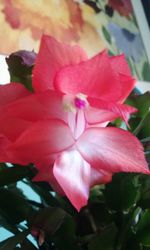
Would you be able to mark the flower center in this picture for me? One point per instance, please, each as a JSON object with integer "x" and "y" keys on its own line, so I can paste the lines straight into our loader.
{"x": 80, "y": 101}
{"x": 73, "y": 103}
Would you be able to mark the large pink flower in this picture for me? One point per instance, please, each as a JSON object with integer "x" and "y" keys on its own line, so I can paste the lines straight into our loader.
{"x": 104, "y": 81}
{"x": 69, "y": 153}
{"x": 61, "y": 128}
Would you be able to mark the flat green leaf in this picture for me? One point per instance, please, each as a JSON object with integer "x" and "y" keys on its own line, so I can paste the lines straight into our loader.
{"x": 123, "y": 192}
{"x": 133, "y": 243}
{"x": 140, "y": 122}
{"x": 144, "y": 124}
{"x": 85, "y": 222}
{"x": 65, "y": 238}
{"x": 100, "y": 214}
{"x": 144, "y": 201}
{"x": 104, "y": 240}
{"x": 142, "y": 103}
{"x": 143, "y": 228}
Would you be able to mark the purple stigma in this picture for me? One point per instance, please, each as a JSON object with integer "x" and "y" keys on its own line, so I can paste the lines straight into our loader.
{"x": 79, "y": 103}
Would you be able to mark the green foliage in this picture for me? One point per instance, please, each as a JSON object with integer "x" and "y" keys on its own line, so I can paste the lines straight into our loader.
{"x": 117, "y": 216}
{"x": 143, "y": 228}
{"x": 140, "y": 123}
{"x": 123, "y": 192}
{"x": 145, "y": 72}
{"x": 104, "y": 240}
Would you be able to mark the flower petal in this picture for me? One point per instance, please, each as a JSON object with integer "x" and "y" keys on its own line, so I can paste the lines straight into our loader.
{"x": 128, "y": 84}
{"x": 115, "y": 109}
{"x": 97, "y": 79}
{"x": 46, "y": 174}
{"x": 4, "y": 143}
{"x": 96, "y": 116}
{"x": 119, "y": 64}
{"x": 99, "y": 177}
{"x": 12, "y": 127}
{"x": 77, "y": 122}
{"x": 42, "y": 139}
{"x": 11, "y": 92}
{"x": 52, "y": 56}
{"x": 113, "y": 150}
{"x": 45, "y": 105}
{"x": 73, "y": 175}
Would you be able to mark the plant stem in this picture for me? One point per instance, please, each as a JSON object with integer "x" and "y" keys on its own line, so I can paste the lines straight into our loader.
{"x": 142, "y": 122}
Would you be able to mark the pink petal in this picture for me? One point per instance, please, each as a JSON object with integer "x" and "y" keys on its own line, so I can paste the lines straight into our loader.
{"x": 128, "y": 85}
{"x": 11, "y": 92}
{"x": 120, "y": 65}
{"x": 42, "y": 139}
{"x": 52, "y": 56}
{"x": 96, "y": 116}
{"x": 115, "y": 109}
{"x": 13, "y": 127}
{"x": 73, "y": 175}
{"x": 4, "y": 143}
{"x": 113, "y": 150}
{"x": 77, "y": 122}
{"x": 94, "y": 78}
{"x": 46, "y": 174}
{"x": 45, "y": 105}
{"x": 99, "y": 177}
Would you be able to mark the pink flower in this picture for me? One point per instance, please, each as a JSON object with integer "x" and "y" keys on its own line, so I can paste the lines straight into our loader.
{"x": 69, "y": 153}
{"x": 104, "y": 81}
{"x": 61, "y": 128}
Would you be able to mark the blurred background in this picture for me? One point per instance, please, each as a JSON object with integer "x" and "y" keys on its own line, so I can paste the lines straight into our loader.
{"x": 93, "y": 24}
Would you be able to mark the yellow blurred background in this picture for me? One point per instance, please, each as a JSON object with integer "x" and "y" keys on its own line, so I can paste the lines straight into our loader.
{"x": 23, "y": 22}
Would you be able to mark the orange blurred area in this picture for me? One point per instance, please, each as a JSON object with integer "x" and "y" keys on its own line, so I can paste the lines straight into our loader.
{"x": 23, "y": 22}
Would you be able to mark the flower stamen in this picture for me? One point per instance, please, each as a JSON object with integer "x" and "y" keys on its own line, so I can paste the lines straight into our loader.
{"x": 73, "y": 103}
{"x": 80, "y": 101}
